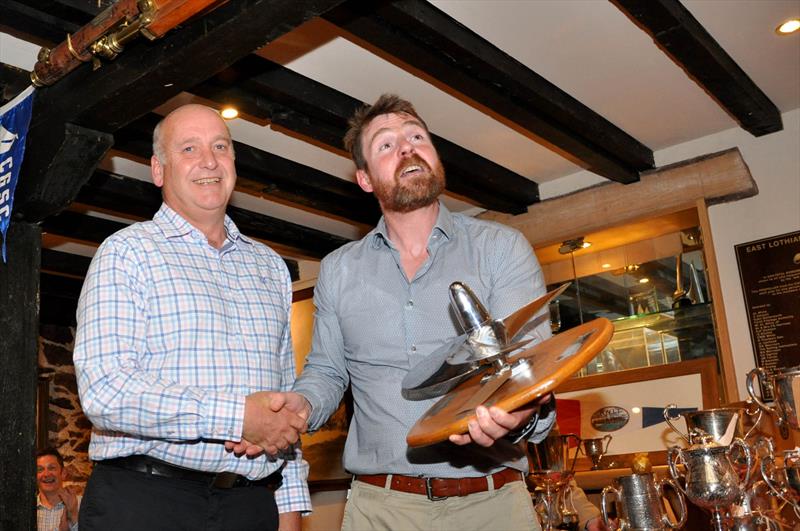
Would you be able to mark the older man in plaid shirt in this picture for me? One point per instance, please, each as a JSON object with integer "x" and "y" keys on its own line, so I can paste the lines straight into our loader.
{"x": 183, "y": 339}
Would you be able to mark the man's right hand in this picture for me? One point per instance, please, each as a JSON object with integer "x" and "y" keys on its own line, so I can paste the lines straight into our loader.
{"x": 272, "y": 422}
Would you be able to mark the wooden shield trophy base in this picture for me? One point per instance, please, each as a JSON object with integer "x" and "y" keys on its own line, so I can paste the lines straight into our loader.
{"x": 513, "y": 382}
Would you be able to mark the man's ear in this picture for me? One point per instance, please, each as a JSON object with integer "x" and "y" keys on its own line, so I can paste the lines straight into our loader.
{"x": 362, "y": 177}
{"x": 156, "y": 171}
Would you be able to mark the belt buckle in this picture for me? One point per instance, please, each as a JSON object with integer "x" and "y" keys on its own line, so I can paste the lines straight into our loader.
{"x": 224, "y": 480}
{"x": 429, "y": 491}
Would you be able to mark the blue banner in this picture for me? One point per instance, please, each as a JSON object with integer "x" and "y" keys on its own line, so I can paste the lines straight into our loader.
{"x": 15, "y": 116}
{"x": 655, "y": 415}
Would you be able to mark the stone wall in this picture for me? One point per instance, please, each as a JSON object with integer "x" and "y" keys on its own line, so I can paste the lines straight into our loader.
{"x": 67, "y": 428}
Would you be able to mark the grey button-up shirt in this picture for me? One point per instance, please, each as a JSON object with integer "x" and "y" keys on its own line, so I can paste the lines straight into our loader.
{"x": 372, "y": 324}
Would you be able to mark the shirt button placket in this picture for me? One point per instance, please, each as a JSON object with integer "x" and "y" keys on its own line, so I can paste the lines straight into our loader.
{"x": 410, "y": 325}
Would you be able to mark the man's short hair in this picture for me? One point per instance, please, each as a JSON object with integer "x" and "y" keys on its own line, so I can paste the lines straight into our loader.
{"x": 386, "y": 104}
{"x": 159, "y": 150}
{"x": 49, "y": 450}
{"x": 158, "y": 147}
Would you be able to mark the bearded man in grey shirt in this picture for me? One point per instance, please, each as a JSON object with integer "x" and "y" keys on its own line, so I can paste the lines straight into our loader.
{"x": 382, "y": 306}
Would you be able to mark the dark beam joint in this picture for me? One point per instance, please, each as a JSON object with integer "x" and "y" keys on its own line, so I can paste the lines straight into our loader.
{"x": 26, "y": 19}
{"x": 145, "y": 75}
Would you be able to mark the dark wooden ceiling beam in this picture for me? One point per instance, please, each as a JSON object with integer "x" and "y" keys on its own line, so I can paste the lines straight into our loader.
{"x": 61, "y": 263}
{"x": 140, "y": 199}
{"x": 688, "y": 43}
{"x": 58, "y": 299}
{"x": 262, "y": 173}
{"x": 13, "y": 80}
{"x": 32, "y": 19}
{"x": 73, "y": 154}
{"x": 80, "y": 227}
{"x": 272, "y": 92}
{"x": 427, "y": 39}
{"x": 76, "y": 265}
{"x": 145, "y": 75}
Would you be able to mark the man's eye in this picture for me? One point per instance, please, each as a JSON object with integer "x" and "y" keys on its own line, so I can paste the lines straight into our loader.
{"x": 417, "y": 137}
{"x": 188, "y": 149}
{"x": 384, "y": 146}
{"x": 221, "y": 147}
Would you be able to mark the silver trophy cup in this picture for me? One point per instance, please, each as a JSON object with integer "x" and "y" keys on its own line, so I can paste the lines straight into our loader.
{"x": 712, "y": 481}
{"x": 641, "y": 506}
{"x": 596, "y": 449}
{"x": 784, "y": 385}
{"x": 723, "y": 424}
{"x": 782, "y": 479}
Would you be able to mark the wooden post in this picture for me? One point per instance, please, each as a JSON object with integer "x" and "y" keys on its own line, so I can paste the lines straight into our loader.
{"x": 727, "y": 367}
{"x": 19, "y": 345}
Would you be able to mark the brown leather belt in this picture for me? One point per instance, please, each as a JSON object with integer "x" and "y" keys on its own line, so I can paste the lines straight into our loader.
{"x": 439, "y": 488}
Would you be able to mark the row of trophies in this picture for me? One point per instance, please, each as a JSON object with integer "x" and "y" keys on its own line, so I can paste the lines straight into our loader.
{"x": 723, "y": 468}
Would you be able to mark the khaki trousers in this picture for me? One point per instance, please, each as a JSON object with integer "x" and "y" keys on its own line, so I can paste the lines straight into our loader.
{"x": 371, "y": 508}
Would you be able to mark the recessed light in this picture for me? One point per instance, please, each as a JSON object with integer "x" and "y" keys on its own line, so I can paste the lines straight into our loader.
{"x": 788, "y": 27}
{"x": 644, "y": 280}
{"x": 229, "y": 113}
{"x": 605, "y": 266}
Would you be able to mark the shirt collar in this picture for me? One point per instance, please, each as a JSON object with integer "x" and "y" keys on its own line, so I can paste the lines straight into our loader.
{"x": 173, "y": 225}
{"x": 40, "y": 503}
{"x": 444, "y": 225}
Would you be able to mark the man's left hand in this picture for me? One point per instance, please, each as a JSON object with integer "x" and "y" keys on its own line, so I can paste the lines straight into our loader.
{"x": 70, "y": 514}
{"x": 494, "y": 423}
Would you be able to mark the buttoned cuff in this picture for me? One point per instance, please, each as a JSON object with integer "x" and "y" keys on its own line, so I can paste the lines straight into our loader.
{"x": 224, "y": 417}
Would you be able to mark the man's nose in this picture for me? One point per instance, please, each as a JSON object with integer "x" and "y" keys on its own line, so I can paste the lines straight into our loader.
{"x": 406, "y": 148}
{"x": 208, "y": 158}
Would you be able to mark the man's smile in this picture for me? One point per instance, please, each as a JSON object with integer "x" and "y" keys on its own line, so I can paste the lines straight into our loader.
{"x": 207, "y": 180}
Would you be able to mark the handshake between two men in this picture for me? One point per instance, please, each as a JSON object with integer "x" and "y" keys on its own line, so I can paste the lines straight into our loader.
{"x": 273, "y": 421}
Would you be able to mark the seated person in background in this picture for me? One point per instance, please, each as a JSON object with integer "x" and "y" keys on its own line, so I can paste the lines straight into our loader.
{"x": 589, "y": 516}
{"x": 56, "y": 507}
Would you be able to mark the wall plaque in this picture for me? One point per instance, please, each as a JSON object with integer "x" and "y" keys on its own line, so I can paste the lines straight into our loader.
{"x": 770, "y": 273}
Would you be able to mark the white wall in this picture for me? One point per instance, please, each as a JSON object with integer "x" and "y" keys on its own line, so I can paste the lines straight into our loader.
{"x": 774, "y": 161}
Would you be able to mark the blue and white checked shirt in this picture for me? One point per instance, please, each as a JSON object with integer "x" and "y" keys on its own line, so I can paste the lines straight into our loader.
{"x": 373, "y": 324}
{"x": 48, "y": 519}
{"x": 172, "y": 335}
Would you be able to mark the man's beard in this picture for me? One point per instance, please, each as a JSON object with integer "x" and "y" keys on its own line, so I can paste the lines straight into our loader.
{"x": 414, "y": 191}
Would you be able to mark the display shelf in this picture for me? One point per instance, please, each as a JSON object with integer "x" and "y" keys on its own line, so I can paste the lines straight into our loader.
{"x": 657, "y": 338}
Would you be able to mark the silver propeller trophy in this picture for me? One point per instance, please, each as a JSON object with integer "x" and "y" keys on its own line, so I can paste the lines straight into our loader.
{"x": 485, "y": 344}
{"x": 494, "y": 364}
